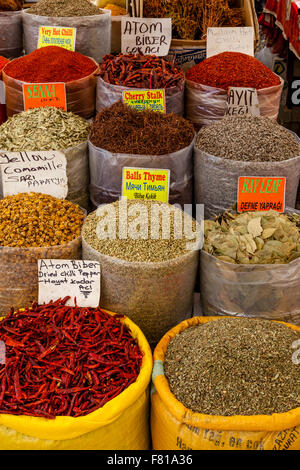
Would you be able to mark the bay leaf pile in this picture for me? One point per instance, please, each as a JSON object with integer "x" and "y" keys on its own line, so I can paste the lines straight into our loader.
{"x": 235, "y": 366}
{"x": 253, "y": 237}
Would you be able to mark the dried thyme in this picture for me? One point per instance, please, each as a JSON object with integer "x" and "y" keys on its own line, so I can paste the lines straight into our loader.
{"x": 62, "y": 8}
{"x": 121, "y": 129}
{"x": 234, "y": 367}
{"x": 254, "y": 237}
{"x": 43, "y": 129}
{"x": 143, "y": 249}
{"x": 248, "y": 138}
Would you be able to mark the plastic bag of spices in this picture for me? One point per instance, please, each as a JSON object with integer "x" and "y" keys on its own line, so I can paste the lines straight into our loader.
{"x": 173, "y": 426}
{"x": 106, "y": 173}
{"x": 121, "y": 424}
{"x": 107, "y": 94}
{"x": 205, "y": 104}
{"x": 11, "y": 34}
{"x": 80, "y": 95}
{"x": 93, "y": 33}
{"x": 270, "y": 291}
{"x": 19, "y": 271}
{"x": 216, "y": 178}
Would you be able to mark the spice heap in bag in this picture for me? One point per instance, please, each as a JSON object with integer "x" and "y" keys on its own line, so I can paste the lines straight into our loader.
{"x": 248, "y": 138}
{"x": 43, "y": 129}
{"x": 64, "y": 8}
{"x": 233, "y": 69}
{"x": 254, "y": 237}
{"x": 37, "y": 220}
{"x": 191, "y": 18}
{"x": 51, "y": 64}
{"x": 3, "y": 62}
{"x": 64, "y": 361}
{"x": 140, "y": 71}
{"x": 11, "y": 5}
{"x": 233, "y": 367}
{"x": 122, "y": 129}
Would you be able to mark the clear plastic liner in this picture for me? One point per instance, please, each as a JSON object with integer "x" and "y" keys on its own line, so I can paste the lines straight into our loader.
{"x": 156, "y": 296}
{"x": 216, "y": 179}
{"x": 107, "y": 94}
{"x": 205, "y": 105}
{"x": 269, "y": 291}
{"x": 93, "y": 33}
{"x": 106, "y": 173}
{"x": 77, "y": 174}
{"x": 11, "y": 34}
{"x": 19, "y": 271}
{"x": 80, "y": 95}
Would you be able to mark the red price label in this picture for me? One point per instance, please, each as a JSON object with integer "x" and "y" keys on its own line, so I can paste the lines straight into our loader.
{"x": 261, "y": 193}
{"x": 39, "y": 95}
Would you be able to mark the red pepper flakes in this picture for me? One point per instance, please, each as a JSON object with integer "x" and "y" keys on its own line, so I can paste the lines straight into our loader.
{"x": 64, "y": 361}
{"x": 3, "y": 62}
{"x": 233, "y": 69}
{"x": 140, "y": 71}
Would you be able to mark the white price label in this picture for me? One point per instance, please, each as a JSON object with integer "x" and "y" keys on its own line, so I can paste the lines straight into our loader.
{"x": 146, "y": 35}
{"x": 242, "y": 101}
{"x": 75, "y": 278}
{"x": 239, "y": 39}
{"x": 34, "y": 171}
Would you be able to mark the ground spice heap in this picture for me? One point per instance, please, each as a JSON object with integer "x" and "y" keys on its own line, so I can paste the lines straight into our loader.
{"x": 3, "y": 62}
{"x": 64, "y": 361}
{"x": 33, "y": 219}
{"x": 51, "y": 64}
{"x": 142, "y": 249}
{"x": 116, "y": 10}
{"x": 62, "y": 8}
{"x": 248, "y": 138}
{"x": 253, "y": 237}
{"x": 121, "y": 129}
{"x": 43, "y": 129}
{"x": 233, "y": 367}
{"x": 140, "y": 71}
{"x": 233, "y": 69}
{"x": 11, "y": 5}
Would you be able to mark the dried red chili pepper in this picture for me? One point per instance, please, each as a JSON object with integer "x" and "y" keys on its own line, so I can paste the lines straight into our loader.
{"x": 233, "y": 69}
{"x": 64, "y": 361}
{"x": 140, "y": 71}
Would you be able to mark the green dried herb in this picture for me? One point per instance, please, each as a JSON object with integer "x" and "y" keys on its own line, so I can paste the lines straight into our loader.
{"x": 43, "y": 129}
{"x": 235, "y": 366}
{"x": 253, "y": 237}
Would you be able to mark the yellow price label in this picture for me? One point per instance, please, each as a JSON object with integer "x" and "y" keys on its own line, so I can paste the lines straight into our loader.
{"x": 61, "y": 36}
{"x": 146, "y": 183}
{"x": 145, "y": 99}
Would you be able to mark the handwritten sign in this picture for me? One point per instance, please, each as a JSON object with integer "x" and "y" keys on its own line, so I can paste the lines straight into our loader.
{"x": 261, "y": 193}
{"x": 39, "y": 95}
{"x": 76, "y": 278}
{"x": 35, "y": 171}
{"x": 242, "y": 101}
{"x": 239, "y": 39}
{"x": 61, "y": 36}
{"x": 145, "y": 99}
{"x": 145, "y": 183}
{"x": 146, "y": 35}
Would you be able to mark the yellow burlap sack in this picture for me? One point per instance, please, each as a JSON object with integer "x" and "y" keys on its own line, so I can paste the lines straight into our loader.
{"x": 121, "y": 424}
{"x": 174, "y": 426}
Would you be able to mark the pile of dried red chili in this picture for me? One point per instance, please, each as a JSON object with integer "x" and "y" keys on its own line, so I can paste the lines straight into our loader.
{"x": 140, "y": 71}
{"x": 3, "y": 61}
{"x": 51, "y": 64}
{"x": 232, "y": 69}
{"x": 64, "y": 361}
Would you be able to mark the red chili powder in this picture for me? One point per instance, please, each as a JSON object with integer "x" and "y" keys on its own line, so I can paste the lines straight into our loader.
{"x": 233, "y": 69}
{"x": 3, "y": 61}
{"x": 51, "y": 64}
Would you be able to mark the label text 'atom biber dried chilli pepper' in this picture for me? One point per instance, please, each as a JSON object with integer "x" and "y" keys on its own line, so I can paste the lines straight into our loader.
{"x": 234, "y": 366}
{"x": 64, "y": 361}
